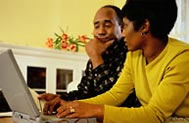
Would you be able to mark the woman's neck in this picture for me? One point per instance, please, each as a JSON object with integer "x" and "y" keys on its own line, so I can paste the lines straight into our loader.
{"x": 153, "y": 48}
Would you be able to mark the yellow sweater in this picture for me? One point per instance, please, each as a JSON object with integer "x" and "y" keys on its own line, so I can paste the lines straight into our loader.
{"x": 162, "y": 87}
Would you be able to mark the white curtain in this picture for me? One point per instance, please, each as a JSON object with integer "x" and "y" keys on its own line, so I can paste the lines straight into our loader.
{"x": 181, "y": 28}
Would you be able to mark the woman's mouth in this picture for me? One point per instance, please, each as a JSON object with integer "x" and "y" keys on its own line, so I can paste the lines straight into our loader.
{"x": 125, "y": 42}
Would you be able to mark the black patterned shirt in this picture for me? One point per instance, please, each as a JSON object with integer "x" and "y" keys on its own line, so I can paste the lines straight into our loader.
{"x": 102, "y": 78}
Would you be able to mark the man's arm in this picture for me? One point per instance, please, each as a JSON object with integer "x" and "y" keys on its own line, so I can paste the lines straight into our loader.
{"x": 96, "y": 81}
{"x": 95, "y": 69}
{"x": 84, "y": 86}
{"x": 95, "y": 48}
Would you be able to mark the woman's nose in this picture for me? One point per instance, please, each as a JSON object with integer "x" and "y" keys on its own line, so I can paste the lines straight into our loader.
{"x": 123, "y": 33}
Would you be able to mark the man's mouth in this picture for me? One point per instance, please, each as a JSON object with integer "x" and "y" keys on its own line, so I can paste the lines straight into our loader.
{"x": 105, "y": 39}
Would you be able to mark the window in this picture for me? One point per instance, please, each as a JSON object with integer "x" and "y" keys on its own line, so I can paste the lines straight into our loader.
{"x": 181, "y": 29}
{"x": 63, "y": 77}
{"x": 36, "y": 78}
{"x": 4, "y": 107}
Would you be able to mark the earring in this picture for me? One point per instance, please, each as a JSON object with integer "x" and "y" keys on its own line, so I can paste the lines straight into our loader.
{"x": 143, "y": 34}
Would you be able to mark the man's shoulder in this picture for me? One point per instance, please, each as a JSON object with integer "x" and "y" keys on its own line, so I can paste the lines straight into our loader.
{"x": 120, "y": 44}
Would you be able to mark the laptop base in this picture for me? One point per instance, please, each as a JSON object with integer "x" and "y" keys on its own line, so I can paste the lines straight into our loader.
{"x": 23, "y": 118}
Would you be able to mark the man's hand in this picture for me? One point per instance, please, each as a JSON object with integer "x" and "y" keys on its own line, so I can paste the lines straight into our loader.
{"x": 48, "y": 96}
{"x": 51, "y": 106}
{"x": 53, "y": 100}
{"x": 95, "y": 48}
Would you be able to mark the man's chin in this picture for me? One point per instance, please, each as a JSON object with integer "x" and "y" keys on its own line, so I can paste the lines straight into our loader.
{"x": 106, "y": 40}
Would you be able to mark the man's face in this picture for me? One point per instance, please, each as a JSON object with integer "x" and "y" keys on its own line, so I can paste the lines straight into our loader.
{"x": 106, "y": 26}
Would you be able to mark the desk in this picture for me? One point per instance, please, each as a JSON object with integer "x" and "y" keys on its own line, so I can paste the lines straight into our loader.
{"x": 9, "y": 120}
{"x": 6, "y": 120}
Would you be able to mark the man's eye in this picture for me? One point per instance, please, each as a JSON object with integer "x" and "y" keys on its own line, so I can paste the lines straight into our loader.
{"x": 108, "y": 26}
{"x": 96, "y": 27}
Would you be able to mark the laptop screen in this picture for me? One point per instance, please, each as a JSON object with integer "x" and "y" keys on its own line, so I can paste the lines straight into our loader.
{"x": 14, "y": 86}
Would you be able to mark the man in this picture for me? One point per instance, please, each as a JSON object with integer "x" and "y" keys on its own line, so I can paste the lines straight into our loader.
{"x": 107, "y": 52}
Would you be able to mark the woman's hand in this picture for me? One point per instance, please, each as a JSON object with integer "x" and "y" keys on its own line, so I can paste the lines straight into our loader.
{"x": 78, "y": 109}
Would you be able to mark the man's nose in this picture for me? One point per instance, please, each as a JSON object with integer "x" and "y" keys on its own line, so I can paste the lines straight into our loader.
{"x": 102, "y": 31}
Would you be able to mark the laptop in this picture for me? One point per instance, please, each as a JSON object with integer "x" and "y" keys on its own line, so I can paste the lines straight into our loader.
{"x": 18, "y": 95}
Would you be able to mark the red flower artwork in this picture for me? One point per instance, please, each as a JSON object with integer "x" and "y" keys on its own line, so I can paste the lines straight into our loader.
{"x": 66, "y": 42}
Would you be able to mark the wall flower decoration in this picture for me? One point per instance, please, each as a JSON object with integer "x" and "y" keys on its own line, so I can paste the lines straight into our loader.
{"x": 67, "y": 42}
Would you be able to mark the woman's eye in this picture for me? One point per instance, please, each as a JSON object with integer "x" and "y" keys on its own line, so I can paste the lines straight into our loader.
{"x": 125, "y": 26}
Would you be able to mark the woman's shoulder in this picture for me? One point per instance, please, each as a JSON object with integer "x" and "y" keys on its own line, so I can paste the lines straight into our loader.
{"x": 177, "y": 49}
{"x": 178, "y": 44}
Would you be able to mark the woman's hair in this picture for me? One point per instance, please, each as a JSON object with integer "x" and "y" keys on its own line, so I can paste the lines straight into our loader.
{"x": 117, "y": 11}
{"x": 161, "y": 14}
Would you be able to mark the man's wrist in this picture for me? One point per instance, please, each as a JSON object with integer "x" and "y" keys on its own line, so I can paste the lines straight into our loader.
{"x": 97, "y": 61}
{"x": 57, "y": 95}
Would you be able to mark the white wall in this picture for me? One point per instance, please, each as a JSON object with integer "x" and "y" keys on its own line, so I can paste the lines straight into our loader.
{"x": 51, "y": 60}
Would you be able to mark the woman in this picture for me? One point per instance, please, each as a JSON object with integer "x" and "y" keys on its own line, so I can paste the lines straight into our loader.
{"x": 156, "y": 66}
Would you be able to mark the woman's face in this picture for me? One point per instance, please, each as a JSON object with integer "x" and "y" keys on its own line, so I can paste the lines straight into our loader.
{"x": 132, "y": 38}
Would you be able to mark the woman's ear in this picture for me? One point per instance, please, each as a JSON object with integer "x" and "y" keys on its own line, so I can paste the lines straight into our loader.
{"x": 146, "y": 26}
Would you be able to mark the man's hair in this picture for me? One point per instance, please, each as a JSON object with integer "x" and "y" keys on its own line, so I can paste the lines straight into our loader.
{"x": 117, "y": 11}
{"x": 161, "y": 14}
